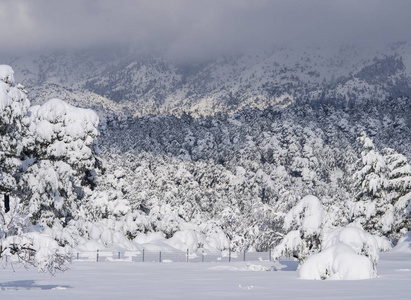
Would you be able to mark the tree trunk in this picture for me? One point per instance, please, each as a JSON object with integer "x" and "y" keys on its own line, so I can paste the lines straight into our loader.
{"x": 6, "y": 202}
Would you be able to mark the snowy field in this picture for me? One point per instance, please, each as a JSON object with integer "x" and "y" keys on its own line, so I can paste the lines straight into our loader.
{"x": 236, "y": 280}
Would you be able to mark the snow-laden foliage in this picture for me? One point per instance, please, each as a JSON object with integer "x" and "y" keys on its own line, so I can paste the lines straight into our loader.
{"x": 348, "y": 253}
{"x": 22, "y": 243}
{"x": 338, "y": 262}
{"x": 13, "y": 121}
{"x": 359, "y": 240}
{"x": 328, "y": 252}
{"x": 47, "y": 155}
{"x": 62, "y": 160}
{"x": 304, "y": 226}
{"x": 383, "y": 182}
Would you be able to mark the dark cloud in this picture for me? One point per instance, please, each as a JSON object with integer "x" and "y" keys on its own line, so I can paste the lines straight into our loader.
{"x": 187, "y": 29}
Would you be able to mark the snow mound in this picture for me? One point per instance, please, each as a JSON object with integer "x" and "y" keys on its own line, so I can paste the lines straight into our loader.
{"x": 404, "y": 244}
{"x": 338, "y": 262}
{"x": 360, "y": 241}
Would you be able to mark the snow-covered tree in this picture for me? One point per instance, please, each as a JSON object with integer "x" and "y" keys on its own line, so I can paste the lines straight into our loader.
{"x": 62, "y": 161}
{"x": 369, "y": 184}
{"x": 13, "y": 121}
{"x": 20, "y": 242}
{"x": 396, "y": 219}
{"x": 303, "y": 224}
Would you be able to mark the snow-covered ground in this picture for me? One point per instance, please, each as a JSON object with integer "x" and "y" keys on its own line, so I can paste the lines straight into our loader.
{"x": 238, "y": 280}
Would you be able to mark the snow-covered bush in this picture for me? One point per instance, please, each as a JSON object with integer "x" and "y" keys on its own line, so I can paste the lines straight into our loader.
{"x": 337, "y": 262}
{"x": 23, "y": 243}
{"x": 304, "y": 225}
{"x": 359, "y": 240}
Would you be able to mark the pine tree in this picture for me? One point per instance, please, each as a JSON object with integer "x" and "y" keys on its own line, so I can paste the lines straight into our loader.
{"x": 303, "y": 224}
{"x": 13, "y": 120}
{"x": 396, "y": 219}
{"x": 369, "y": 184}
{"x": 62, "y": 161}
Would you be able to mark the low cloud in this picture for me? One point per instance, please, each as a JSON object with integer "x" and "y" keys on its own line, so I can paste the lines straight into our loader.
{"x": 196, "y": 30}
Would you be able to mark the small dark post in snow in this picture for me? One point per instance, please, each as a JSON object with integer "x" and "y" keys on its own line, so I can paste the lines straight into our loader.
{"x": 202, "y": 257}
{"x": 244, "y": 255}
{"x": 159, "y": 258}
{"x": 229, "y": 255}
{"x": 77, "y": 255}
{"x": 187, "y": 255}
{"x": 97, "y": 255}
{"x": 143, "y": 255}
{"x": 269, "y": 255}
{"x": 119, "y": 255}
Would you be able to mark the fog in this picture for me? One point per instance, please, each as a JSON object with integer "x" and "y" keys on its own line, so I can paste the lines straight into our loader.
{"x": 197, "y": 30}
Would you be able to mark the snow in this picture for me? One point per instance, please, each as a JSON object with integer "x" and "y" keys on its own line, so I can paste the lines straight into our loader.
{"x": 6, "y": 74}
{"x": 308, "y": 213}
{"x": 404, "y": 244}
{"x": 359, "y": 240}
{"x": 242, "y": 280}
{"x": 337, "y": 262}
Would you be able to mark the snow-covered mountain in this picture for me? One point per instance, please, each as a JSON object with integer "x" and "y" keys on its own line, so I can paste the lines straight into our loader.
{"x": 122, "y": 82}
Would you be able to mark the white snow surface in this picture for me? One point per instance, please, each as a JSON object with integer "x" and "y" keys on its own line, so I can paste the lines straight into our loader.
{"x": 240, "y": 280}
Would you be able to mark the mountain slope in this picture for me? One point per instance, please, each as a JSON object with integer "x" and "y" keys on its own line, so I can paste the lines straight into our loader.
{"x": 138, "y": 85}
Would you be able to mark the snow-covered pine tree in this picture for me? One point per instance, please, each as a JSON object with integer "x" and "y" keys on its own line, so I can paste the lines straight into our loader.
{"x": 303, "y": 224}
{"x": 19, "y": 241}
{"x": 13, "y": 119}
{"x": 61, "y": 163}
{"x": 396, "y": 220}
{"x": 369, "y": 184}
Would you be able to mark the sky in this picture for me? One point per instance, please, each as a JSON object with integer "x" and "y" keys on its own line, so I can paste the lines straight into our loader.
{"x": 196, "y": 30}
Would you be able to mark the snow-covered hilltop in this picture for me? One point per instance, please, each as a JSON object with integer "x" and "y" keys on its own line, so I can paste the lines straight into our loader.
{"x": 126, "y": 83}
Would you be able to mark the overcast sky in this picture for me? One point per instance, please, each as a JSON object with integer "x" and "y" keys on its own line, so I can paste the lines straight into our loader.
{"x": 197, "y": 29}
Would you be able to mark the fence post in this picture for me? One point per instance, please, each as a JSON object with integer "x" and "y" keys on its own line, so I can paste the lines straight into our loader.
{"x": 229, "y": 255}
{"x": 97, "y": 255}
{"x": 269, "y": 255}
{"x": 202, "y": 256}
{"x": 143, "y": 255}
{"x": 187, "y": 255}
{"x": 159, "y": 258}
{"x": 77, "y": 255}
{"x": 119, "y": 255}
{"x": 244, "y": 255}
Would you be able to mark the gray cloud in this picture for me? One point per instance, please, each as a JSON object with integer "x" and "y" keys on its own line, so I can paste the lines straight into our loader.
{"x": 187, "y": 29}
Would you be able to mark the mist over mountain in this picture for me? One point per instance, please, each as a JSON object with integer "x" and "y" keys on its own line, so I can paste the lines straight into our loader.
{"x": 124, "y": 82}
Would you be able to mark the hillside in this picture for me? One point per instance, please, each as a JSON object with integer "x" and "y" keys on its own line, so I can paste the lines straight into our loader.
{"x": 123, "y": 82}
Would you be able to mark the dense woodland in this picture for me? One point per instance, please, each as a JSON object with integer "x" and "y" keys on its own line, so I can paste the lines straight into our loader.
{"x": 241, "y": 173}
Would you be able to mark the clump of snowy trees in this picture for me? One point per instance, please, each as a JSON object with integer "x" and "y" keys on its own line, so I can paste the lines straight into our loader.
{"x": 48, "y": 158}
{"x": 336, "y": 253}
